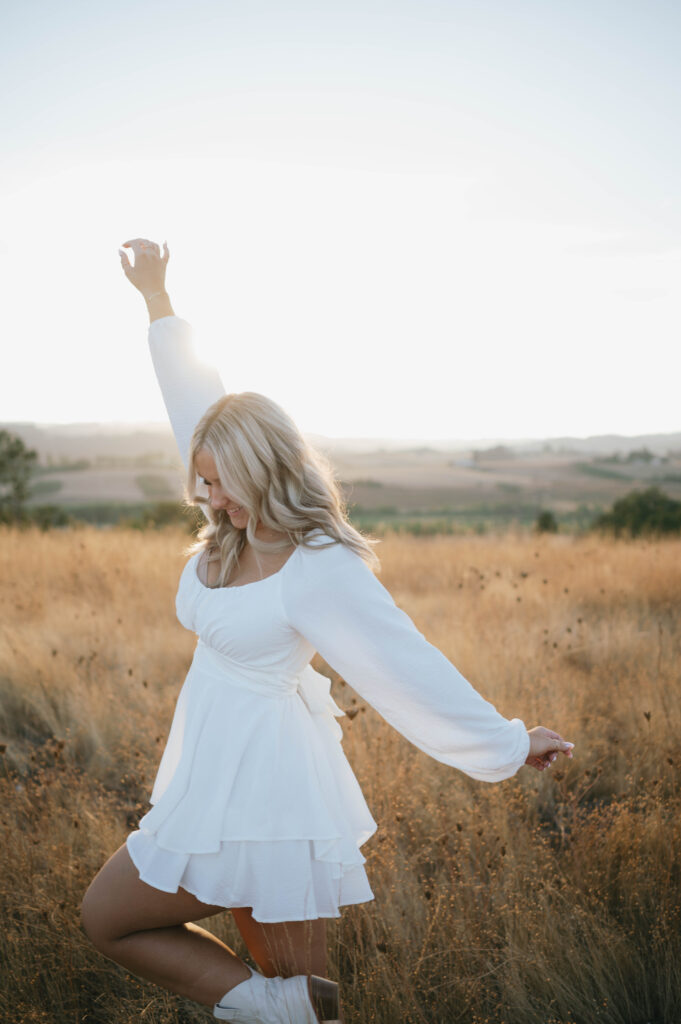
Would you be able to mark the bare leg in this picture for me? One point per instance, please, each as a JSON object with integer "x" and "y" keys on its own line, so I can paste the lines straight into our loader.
{"x": 284, "y": 948}
{"x": 148, "y": 932}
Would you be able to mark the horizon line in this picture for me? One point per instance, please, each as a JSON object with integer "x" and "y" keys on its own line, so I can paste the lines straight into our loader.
{"x": 129, "y": 427}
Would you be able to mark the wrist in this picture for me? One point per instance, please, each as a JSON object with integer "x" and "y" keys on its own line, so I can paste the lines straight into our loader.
{"x": 158, "y": 305}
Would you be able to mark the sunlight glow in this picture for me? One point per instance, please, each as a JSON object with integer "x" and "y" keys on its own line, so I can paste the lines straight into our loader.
{"x": 443, "y": 251}
{"x": 366, "y": 303}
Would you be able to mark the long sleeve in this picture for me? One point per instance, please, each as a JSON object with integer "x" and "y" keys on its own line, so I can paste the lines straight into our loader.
{"x": 335, "y": 602}
{"x": 188, "y": 386}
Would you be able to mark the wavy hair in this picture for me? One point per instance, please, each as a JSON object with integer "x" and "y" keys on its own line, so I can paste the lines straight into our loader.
{"x": 267, "y": 466}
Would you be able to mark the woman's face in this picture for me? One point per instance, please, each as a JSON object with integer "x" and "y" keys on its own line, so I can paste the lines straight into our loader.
{"x": 218, "y": 497}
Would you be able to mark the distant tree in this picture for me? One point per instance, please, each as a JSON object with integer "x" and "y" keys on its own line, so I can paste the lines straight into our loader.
{"x": 165, "y": 513}
{"x": 16, "y": 465}
{"x": 640, "y": 455}
{"x": 546, "y": 522}
{"x": 48, "y": 516}
{"x": 642, "y": 512}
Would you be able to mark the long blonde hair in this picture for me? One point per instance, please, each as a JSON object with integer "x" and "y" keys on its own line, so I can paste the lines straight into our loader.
{"x": 267, "y": 466}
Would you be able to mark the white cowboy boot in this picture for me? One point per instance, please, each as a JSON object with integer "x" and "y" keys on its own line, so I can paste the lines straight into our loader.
{"x": 303, "y": 999}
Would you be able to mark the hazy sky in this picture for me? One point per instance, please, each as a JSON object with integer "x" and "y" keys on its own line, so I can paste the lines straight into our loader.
{"x": 413, "y": 219}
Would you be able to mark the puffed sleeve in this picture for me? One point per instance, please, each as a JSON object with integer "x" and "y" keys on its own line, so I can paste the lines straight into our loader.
{"x": 335, "y": 601}
{"x": 188, "y": 386}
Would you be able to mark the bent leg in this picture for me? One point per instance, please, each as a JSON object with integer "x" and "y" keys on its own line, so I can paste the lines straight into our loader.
{"x": 284, "y": 948}
{"x": 150, "y": 933}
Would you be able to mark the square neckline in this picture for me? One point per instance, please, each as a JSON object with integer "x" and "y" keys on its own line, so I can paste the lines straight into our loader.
{"x": 241, "y": 586}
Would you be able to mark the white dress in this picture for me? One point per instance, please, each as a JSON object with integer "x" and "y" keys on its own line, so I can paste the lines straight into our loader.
{"x": 255, "y": 804}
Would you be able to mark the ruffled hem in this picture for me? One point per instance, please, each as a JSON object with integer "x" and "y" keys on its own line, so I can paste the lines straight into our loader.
{"x": 281, "y": 880}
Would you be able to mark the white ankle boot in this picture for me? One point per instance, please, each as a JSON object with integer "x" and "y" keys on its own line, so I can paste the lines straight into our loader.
{"x": 302, "y": 999}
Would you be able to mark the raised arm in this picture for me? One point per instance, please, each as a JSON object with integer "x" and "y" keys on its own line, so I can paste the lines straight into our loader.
{"x": 188, "y": 386}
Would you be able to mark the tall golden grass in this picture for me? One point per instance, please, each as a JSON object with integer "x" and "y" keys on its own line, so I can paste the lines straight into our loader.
{"x": 544, "y": 899}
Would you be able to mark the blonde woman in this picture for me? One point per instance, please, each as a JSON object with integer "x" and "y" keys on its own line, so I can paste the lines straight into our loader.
{"x": 255, "y": 808}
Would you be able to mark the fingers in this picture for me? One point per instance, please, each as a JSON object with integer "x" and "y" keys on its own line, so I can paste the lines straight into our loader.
{"x": 544, "y": 741}
{"x": 560, "y": 744}
{"x": 125, "y": 261}
{"x": 144, "y": 252}
{"x": 551, "y": 754}
{"x": 548, "y": 751}
{"x": 141, "y": 245}
{"x": 541, "y": 763}
{"x": 546, "y": 760}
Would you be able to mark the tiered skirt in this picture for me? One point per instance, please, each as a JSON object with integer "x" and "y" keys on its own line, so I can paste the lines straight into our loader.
{"x": 255, "y": 804}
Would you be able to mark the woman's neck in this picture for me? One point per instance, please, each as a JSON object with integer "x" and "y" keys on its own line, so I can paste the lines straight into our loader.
{"x": 268, "y": 535}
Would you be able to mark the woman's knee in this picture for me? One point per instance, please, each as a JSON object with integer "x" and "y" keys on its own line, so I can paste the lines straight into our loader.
{"x": 101, "y": 905}
{"x": 118, "y": 904}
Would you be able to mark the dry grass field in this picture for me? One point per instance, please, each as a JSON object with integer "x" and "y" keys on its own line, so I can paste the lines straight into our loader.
{"x": 547, "y": 899}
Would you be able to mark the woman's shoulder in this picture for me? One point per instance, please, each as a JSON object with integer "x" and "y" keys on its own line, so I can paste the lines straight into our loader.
{"x": 318, "y": 538}
{"x": 320, "y": 554}
{"x": 317, "y": 541}
{"x": 326, "y": 575}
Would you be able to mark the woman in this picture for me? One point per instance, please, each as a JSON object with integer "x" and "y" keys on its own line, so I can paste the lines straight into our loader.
{"x": 255, "y": 807}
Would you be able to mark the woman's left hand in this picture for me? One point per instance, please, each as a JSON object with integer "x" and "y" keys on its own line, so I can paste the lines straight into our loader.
{"x": 545, "y": 745}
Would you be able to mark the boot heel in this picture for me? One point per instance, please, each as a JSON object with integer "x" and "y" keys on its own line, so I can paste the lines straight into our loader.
{"x": 325, "y": 999}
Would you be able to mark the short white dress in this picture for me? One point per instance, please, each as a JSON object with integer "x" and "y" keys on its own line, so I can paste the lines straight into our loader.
{"x": 255, "y": 804}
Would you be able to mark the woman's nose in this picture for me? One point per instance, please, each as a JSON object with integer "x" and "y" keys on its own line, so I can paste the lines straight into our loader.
{"x": 217, "y": 501}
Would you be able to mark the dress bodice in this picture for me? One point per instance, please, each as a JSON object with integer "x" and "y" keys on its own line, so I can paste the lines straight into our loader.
{"x": 245, "y": 625}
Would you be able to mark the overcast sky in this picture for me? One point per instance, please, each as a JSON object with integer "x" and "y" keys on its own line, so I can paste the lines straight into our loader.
{"x": 407, "y": 218}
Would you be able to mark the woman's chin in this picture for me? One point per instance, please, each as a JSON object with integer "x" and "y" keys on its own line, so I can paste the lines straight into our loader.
{"x": 239, "y": 519}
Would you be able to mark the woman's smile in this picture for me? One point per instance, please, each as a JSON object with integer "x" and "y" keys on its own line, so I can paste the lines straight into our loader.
{"x": 207, "y": 470}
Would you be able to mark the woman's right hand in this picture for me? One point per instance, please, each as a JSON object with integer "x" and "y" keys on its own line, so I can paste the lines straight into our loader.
{"x": 148, "y": 274}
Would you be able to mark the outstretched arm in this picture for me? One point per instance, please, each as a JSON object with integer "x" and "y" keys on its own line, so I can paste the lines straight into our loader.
{"x": 345, "y": 613}
{"x": 188, "y": 386}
